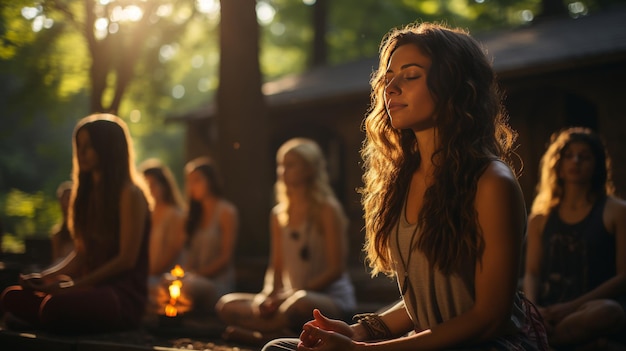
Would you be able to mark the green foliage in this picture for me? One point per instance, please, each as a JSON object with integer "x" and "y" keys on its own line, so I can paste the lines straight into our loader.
{"x": 12, "y": 244}
{"x": 45, "y": 81}
{"x": 14, "y": 31}
{"x": 355, "y": 27}
{"x": 27, "y": 215}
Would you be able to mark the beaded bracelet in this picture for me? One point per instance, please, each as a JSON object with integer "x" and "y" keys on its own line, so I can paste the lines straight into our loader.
{"x": 66, "y": 284}
{"x": 374, "y": 326}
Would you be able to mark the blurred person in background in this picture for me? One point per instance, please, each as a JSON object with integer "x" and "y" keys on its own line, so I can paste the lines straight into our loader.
{"x": 62, "y": 241}
{"x": 102, "y": 284}
{"x": 576, "y": 247}
{"x": 167, "y": 235}
{"x": 307, "y": 267}
{"x": 211, "y": 227}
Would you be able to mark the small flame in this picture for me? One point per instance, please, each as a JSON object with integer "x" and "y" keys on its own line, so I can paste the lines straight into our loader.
{"x": 170, "y": 311}
{"x": 174, "y": 289}
{"x": 178, "y": 272}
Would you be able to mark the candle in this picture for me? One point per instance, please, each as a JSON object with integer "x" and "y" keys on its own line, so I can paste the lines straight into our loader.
{"x": 170, "y": 311}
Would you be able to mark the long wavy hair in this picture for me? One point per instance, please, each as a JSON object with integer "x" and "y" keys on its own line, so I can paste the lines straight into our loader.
{"x": 208, "y": 169}
{"x": 319, "y": 190}
{"x": 550, "y": 187}
{"x": 94, "y": 213}
{"x": 162, "y": 174}
{"x": 471, "y": 128}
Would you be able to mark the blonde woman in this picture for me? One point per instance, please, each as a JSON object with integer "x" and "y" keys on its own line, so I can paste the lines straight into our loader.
{"x": 308, "y": 253}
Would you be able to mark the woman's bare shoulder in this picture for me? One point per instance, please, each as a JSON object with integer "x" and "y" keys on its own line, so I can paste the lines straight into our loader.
{"x": 229, "y": 207}
{"x": 497, "y": 169}
{"x": 498, "y": 179}
{"x": 615, "y": 210}
{"x": 615, "y": 203}
{"x": 132, "y": 192}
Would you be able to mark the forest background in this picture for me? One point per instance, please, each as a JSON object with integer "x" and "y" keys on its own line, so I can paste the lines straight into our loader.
{"x": 151, "y": 60}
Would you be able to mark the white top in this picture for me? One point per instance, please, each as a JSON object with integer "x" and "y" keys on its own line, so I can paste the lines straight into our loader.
{"x": 297, "y": 270}
{"x": 434, "y": 297}
{"x": 205, "y": 247}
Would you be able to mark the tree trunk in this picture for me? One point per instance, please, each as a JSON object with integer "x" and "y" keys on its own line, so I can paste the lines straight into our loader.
{"x": 242, "y": 126}
{"x": 320, "y": 49}
{"x": 551, "y": 8}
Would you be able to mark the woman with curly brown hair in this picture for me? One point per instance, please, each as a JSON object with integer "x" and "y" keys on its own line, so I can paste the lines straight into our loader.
{"x": 444, "y": 213}
{"x": 576, "y": 253}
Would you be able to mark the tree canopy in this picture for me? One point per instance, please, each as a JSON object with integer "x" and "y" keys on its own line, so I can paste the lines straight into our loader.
{"x": 150, "y": 60}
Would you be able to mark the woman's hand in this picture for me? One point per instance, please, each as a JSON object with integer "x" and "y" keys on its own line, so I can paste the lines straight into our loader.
{"x": 321, "y": 322}
{"x": 49, "y": 285}
{"x": 318, "y": 339}
{"x": 325, "y": 323}
{"x": 268, "y": 307}
{"x": 32, "y": 281}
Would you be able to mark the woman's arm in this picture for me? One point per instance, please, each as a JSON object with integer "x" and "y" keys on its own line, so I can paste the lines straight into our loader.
{"x": 273, "y": 273}
{"x": 169, "y": 247}
{"x": 48, "y": 280}
{"x": 273, "y": 294}
{"x": 534, "y": 254}
{"x": 69, "y": 266}
{"x": 133, "y": 216}
{"x": 276, "y": 252}
{"x": 334, "y": 241}
{"x": 395, "y": 318}
{"x": 228, "y": 224}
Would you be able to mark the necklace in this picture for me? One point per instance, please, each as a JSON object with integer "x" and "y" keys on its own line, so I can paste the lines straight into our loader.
{"x": 304, "y": 250}
{"x": 405, "y": 282}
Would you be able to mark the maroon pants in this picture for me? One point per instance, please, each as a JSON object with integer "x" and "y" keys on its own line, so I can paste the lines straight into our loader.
{"x": 85, "y": 310}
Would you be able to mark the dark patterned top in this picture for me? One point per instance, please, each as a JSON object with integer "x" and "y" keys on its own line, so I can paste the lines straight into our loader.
{"x": 576, "y": 257}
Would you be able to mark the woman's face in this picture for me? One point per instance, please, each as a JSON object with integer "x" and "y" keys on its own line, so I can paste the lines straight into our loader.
{"x": 86, "y": 154}
{"x": 293, "y": 170}
{"x": 197, "y": 185}
{"x": 577, "y": 163}
{"x": 408, "y": 100}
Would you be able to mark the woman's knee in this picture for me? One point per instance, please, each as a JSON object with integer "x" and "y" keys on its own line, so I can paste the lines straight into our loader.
{"x": 51, "y": 311}
{"x": 605, "y": 313}
{"x": 8, "y": 296}
{"x": 613, "y": 314}
{"x": 227, "y": 306}
{"x": 299, "y": 308}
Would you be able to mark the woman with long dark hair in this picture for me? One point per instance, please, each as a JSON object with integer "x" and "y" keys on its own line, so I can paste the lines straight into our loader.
{"x": 101, "y": 285}
{"x": 211, "y": 226}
